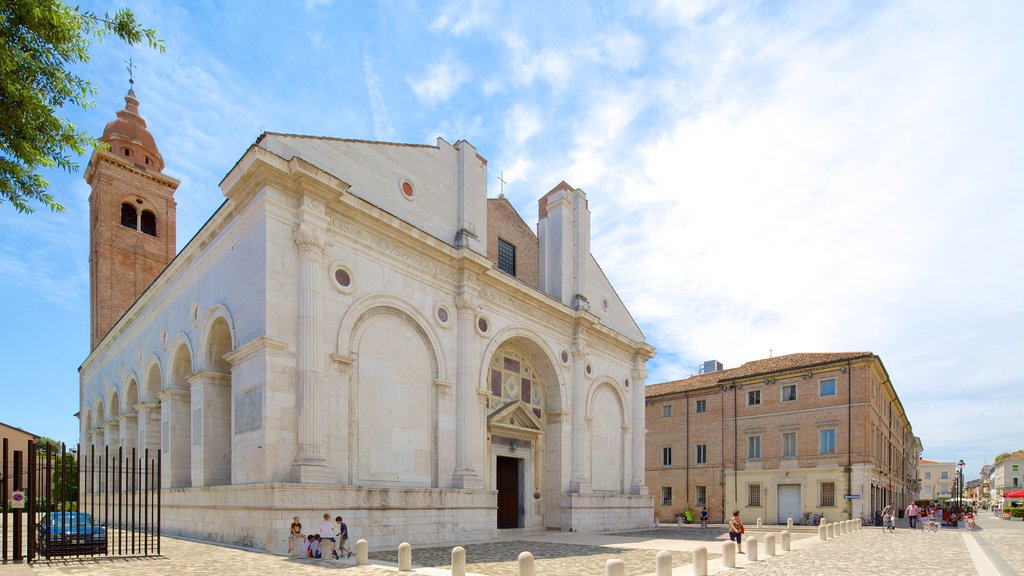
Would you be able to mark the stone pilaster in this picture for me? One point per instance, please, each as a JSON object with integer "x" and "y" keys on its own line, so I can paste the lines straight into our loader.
{"x": 176, "y": 432}
{"x": 311, "y": 460}
{"x": 211, "y": 451}
{"x": 466, "y": 475}
{"x": 639, "y": 380}
{"x": 112, "y": 435}
{"x": 579, "y": 482}
{"x": 128, "y": 425}
{"x": 149, "y": 428}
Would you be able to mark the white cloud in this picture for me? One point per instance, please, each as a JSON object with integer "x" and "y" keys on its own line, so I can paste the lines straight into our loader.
{"x": 383, "y": 127}
{"x": 462, "y": 17}
{"x": 440, "y": 81}
{"x": 521, "y": 123}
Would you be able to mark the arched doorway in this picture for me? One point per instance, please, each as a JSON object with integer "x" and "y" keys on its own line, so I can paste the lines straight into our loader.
{"x": 524, "y": 435}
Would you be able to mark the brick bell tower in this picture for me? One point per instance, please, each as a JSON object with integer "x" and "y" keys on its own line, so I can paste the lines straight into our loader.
{"x": 131, "y": 217}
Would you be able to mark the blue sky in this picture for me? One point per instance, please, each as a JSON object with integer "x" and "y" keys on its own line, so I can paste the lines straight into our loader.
{"x": 764, "y": 177}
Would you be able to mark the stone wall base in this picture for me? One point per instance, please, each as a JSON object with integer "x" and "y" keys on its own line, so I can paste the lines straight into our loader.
{"x": 601, "y": 512}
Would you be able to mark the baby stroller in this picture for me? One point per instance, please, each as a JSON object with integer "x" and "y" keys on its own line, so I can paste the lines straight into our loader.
{"x": 930, "y": 524}
{"x": 890, "y": 523}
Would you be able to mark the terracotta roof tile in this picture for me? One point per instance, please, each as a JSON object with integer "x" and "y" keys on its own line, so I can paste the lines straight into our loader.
{"x": 753, "y": 368}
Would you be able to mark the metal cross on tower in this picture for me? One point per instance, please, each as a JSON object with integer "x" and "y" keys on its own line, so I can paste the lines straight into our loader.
{"x": 501, "y": 178}
{"x": 131, "y": 71}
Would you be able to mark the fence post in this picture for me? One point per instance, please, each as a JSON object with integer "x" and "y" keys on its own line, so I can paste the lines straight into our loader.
{"x": 700, "y": 561}
{"x": 362, "y": 552}
{"x": 729, "y": 554}
{"x": 663, "y": 563}
{"x": 525, "y": 564}
{"x": 404, "y": 557}
{"x": 458, "y": 561}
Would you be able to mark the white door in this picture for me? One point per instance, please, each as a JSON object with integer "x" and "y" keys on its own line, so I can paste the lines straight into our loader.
{"x": 789, "y": 502}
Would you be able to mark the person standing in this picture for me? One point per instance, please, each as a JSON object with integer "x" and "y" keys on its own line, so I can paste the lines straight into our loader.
{"x": 327, "y": 535}
{"x": 342, "y": 537}
{"x": 913, "y": 512}
{"x": 736, "y": 530}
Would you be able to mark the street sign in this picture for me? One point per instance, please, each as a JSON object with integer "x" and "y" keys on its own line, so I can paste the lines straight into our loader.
{"x": 851, "y": 496}
{"x": 18, "y": 499}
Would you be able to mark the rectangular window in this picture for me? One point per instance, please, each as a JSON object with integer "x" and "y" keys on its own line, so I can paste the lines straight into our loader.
{"x": 944, "y": 475}
{"x": 1016, "y": 468}
{"x": 702, "y": 453}
{"x": 828, "y": 441}
{"x": 927, "y": 475}
{"x": 702, "y": 495}
{"x": 753, "y": 398}
{"x": 506, "y": 257}
{"x": 789, "y": 393}
{"x": 828, "y": 387}
{"x": 666, "y": 495}
{"x": 702, "y": 406}
{"x": 666, "y": 410}
{"x": 828, "y": 494}
{"x": 754, "y": 447}
{"x": 1014, "y": 481}
{"x": 666, "y": 456}
{"x": 927, "y": 490}
{"x": 789, "y": 444}
{"x": 753, "y": 494}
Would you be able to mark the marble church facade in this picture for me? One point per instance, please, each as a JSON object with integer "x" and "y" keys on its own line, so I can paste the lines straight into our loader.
{"x": 359, "y": 330}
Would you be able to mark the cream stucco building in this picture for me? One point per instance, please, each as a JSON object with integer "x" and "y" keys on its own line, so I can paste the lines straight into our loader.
{"x": 359, "y": 329}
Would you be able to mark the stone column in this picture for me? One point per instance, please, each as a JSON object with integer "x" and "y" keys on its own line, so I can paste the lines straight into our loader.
{"x": 578, "y": 481}
{"x": 112, "y": 435}
{"x": 639, "y": 380}
{"x": 465, "y": 394}
{"x": 311, "y": 460}
{"x": 129, "y": 426}
{"x": 149, "y": 428}
{"x": 176, "y": 432}
{"x": 211, "y": 453}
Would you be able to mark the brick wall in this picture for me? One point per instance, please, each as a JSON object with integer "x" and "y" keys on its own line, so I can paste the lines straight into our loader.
{"x": 504, "y": 222}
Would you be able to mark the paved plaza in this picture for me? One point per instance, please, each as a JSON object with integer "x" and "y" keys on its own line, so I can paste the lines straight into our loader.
{"x": 995, "y": 549}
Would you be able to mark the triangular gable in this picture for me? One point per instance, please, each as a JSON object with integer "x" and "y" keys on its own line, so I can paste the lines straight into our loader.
{"x": 515, "y": 417}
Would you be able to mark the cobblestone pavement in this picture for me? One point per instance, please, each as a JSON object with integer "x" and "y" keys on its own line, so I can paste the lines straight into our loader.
{"x": 868, "y": 551}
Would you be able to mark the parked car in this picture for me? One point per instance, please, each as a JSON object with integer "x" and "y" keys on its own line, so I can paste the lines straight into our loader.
{"x": 70, "y": 533}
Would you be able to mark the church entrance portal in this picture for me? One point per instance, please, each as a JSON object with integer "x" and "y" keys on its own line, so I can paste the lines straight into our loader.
{"x": 509, "y": 497}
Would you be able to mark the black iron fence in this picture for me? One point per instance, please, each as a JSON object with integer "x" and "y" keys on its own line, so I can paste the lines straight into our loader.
{"x": 97, "y": 502}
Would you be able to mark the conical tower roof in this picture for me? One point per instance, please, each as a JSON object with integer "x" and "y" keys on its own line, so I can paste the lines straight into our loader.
{"x": 127, "y": 136}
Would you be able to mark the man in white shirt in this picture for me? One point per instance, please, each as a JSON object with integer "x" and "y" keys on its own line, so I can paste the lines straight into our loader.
{"x": 327, "y": 535}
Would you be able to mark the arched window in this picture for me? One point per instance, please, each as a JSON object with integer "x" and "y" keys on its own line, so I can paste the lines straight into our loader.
{"x": 129, "y": 217}
{"x": 149, "y": 222}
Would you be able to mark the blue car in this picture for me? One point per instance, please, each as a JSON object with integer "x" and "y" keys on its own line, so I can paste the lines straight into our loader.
{"x": 70, "y": 533}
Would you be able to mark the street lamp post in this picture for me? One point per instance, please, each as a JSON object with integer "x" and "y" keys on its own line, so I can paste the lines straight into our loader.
{"x": 960, "y": 486}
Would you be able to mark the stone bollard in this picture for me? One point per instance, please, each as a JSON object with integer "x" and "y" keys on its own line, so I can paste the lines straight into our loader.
{"x": 831, "y": 531}
{"x": 846, "y": 527}
{"x": 404, "y": 557}
{"x": 615, "y": 567}
{"x": 769, "y": 545}
{"x": 759, "y": 523}
{"x": 789, "y": 523}
{"x": 785, "y": 540}
{"x": 362, "y": 552}
{"x": 728, "y": 554}
{"x": 700, "y": 561}
{"x": 679, "y": 521}
{"x": 822, "y": 531}
{"x": 839, "y": 528}
{"x": 458, "y": 561}
{"x": 525, "y": 564}
{"x": 663, "y": 563}
{"x": 752, "y": 549}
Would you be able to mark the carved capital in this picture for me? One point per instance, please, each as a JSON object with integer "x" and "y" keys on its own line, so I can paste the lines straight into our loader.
{"x": 465, "y": 304}
{"x": 309, "y": 239}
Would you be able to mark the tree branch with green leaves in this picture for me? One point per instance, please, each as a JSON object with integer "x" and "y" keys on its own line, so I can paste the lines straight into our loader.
{"x": 40, "y": 41}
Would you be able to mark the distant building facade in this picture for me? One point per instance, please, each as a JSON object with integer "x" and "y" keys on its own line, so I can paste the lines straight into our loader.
{"x": 1007, "y": 475}
{"x": 937, "y": 480}
{"x": 359, "y": 329}
{"x": 781, "y": 437}
{"x": 17, "y": 439}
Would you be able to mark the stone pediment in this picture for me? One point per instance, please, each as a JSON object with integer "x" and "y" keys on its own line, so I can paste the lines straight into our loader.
{"x": 516, "y": 418}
